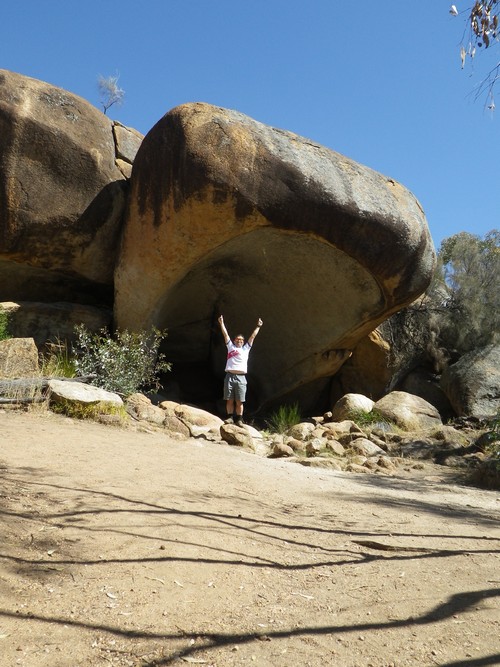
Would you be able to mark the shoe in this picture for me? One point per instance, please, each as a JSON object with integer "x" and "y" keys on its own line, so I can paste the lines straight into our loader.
{"x": 239, "y": 421}
{"x": 229, "y": 420}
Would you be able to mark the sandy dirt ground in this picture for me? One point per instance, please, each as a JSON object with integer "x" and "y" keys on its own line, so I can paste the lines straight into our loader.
{"x": 126, "y": 548}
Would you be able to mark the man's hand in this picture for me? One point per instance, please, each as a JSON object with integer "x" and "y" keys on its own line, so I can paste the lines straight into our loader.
{"x": 259, "y": 322}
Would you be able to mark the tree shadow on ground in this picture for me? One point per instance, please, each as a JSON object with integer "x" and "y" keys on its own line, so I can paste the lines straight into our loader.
{"x": 94, "y": 504}
{"x": 459, "y": 603}
{"x": 92, "y": 510}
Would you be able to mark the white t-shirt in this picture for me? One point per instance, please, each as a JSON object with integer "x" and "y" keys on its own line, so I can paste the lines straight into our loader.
{"x": 237, "y": 357}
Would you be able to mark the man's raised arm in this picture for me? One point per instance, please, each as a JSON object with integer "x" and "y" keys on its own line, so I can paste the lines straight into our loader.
{"x": 255, "y": 331}
{"x": 224, "y": 330}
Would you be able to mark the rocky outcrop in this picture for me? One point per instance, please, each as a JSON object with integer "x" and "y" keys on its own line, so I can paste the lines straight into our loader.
{"x": 199, "y": 422}
{"x": 236, "y": 436}
{"x": 140, "y": 408}
{"x": 345, "y": 446}
{"x": 62, "y": 193}
{"x": 473, "y": 383}
{"x": 227, "y": 215}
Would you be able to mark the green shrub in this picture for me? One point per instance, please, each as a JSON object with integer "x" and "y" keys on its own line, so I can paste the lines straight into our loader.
{"x": 123, "y": 363}
{"x": 4, "y": 324}
{"x": 284, "y": 418}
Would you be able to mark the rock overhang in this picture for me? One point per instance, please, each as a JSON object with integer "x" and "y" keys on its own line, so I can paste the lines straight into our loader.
{"x": 229, "y": 215}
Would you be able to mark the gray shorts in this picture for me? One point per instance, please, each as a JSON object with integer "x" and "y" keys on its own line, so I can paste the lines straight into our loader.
{"x": 235, "y": 387}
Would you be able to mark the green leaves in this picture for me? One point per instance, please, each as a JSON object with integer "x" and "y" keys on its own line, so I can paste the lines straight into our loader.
{"x": 122, "y": 363}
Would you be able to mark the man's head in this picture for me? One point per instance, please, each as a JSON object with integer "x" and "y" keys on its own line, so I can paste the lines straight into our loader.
{"x": 239, "y": 341}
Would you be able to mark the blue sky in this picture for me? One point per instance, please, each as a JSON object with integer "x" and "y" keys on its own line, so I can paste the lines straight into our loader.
{"x": 379, "y": 82}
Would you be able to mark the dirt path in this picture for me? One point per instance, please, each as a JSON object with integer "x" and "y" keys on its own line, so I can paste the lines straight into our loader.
{"x": 129, "y": 549}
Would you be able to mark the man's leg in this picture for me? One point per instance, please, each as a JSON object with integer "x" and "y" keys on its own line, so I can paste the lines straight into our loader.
{"x": 240, "y": 395}
{"x": 229, "y": 398}
{"x": 229, "y": 408}
{"x": 239, "y": 413}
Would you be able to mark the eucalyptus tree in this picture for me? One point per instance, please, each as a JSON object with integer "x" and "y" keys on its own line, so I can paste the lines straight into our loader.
{"x": 110, "y": 92}
{"x": 481, "y": 33}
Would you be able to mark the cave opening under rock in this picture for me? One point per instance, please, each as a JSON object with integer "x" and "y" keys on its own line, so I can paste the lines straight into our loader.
{"x": 309, "y": 294}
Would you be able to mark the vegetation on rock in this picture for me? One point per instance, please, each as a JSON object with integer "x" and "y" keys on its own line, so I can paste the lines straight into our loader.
{"x": 488, "y": 474}
{"x": 92, "y": 411}
{"x": 373, "y": 418}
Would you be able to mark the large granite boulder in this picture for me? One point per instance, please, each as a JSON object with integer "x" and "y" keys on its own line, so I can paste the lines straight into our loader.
{"x": 411, "y": 413}
{"x": 62, "y": 193}
{"x": 228, "y": 215}
{"x": 472, "y": 384}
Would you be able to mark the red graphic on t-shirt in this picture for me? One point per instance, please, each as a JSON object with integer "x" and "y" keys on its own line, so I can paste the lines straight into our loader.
{"x": 233, "y": 353}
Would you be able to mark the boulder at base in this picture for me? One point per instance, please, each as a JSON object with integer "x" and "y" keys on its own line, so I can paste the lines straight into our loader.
{"x": 62, "y": 194}
{"x": 409, "y": 412}
{"x": 84, "y": 394}
{"x": 349, "y": 405}
{"x": 231, "y": 216}
{"x": 473, "y": 383}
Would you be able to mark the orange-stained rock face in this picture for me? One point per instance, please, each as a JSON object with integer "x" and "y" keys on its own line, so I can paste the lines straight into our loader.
{"x": 227, "y": 215}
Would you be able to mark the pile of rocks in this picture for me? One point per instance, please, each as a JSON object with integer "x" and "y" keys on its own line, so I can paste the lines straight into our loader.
{"x": 381, "y": 447}
{"x": 338, "y": 445}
